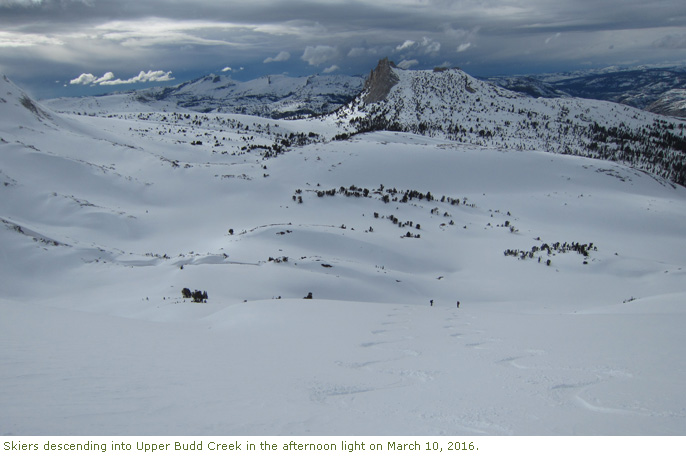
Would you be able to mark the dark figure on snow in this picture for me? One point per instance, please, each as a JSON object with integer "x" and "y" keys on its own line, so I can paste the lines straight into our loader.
{"x": 432, "y": 302}
{"x": 458, "y": 304}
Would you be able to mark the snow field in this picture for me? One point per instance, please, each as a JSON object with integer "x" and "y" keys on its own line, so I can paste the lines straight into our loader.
{"x": 100, "y": 232}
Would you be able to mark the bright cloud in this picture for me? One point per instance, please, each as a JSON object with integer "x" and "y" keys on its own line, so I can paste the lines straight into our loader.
{"x": 108, "y": 78}
{"x": 463, "y": 47}
{"x": 6, "y": 3}
{"x": 425, "y": 46}
{"x": 317, "y": 55}
{"x": 85, "y": 79}
{"x": 405, "y": 64}
{"x": 406, "y": 45}
{"x": 15, "y": 40}
{"x": 29, "y": 3}
{"x": 331, "y": 69}
{"x": 157, "y": 31}
{"x": 281, "y": 57}
{"x": 430, "y": 46}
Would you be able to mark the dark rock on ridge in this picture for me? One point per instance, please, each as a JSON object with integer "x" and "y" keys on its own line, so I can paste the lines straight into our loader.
{"x": 380, "y": 82}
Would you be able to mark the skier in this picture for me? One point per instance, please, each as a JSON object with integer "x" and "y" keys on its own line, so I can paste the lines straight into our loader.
{"x": 458, "y": 304}
{"x": 432, "y": 302}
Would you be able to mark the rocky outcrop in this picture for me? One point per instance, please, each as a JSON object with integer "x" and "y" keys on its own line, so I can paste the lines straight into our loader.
{"x": 380, "y": 82}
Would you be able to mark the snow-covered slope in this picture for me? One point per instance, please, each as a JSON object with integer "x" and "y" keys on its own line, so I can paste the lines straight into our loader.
{"x": 274, "y": 96}
{"x": 19, "y": 110}
{"x": 671, "y": 103}
{"x": 569, "y": 272}
{"x": 453, "y": 105}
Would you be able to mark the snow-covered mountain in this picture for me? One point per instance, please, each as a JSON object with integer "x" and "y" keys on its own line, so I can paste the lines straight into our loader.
{"x": 274, "y": 96}
{"x": 635, "y": 86}
{"x": 453, "y": 105}
{"x": 450, "y": 103}
{"x": 671, "y": 103}
{"x": 569, "y": 272}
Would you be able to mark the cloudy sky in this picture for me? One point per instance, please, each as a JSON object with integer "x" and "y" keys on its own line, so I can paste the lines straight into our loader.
{"x": 73, "y": 47}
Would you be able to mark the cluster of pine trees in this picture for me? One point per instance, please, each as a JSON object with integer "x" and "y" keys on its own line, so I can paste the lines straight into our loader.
{"x": 550, "y": 249}
{"x": 657, "y": 149}
{"x": 197, "y": 295}
{"x": 385, "y": 194}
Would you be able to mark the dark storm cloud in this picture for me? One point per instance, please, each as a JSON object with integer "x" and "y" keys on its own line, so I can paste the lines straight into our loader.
{"x": 63, "y": 39}
{"x": 671, "y": 42}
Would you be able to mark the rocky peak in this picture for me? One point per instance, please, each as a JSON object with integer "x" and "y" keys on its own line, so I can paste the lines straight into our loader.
{"x": 380, "y": 82}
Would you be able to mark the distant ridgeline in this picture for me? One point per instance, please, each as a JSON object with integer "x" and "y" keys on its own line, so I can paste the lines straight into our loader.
{"x": 655, "y": 89}
{"x": 451, "y": 104}
{"x": 276, "y": 97}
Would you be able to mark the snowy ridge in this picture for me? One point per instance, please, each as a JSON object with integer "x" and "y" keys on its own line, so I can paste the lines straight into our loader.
{"x": 634, "y": 86}
{"x": 105, "y": 219}
{"x": 453, "y": 105}
{"x": 19, "y": 109}
{"x": 274, "y": 96}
